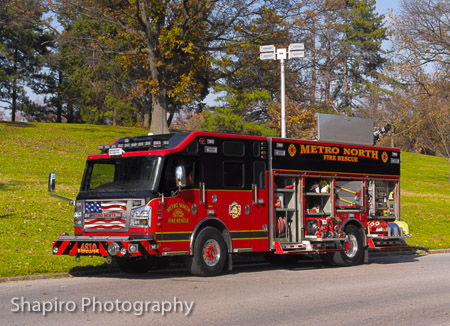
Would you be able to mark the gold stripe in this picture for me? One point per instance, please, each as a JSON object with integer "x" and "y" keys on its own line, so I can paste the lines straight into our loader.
{"x": 198, "y": 189}
{"x": 191, "y": 231}
{"x": 173, "y": 240}
{"x": 249, "y": 239}
{"x": 248, "y": 231}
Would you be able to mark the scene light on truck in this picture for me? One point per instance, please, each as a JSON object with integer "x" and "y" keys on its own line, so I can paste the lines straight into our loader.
{"x": 116, "y": 152}
{"x": 133, "y": 248}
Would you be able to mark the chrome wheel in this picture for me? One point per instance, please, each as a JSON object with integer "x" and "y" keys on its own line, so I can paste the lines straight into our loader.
{"x": 351, "y": 246}
{"x": 211, "y": 252}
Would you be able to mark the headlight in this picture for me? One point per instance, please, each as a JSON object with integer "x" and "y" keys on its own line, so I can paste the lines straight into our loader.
{"x": 78, "y": 214}
{"x": 141, "y": 217}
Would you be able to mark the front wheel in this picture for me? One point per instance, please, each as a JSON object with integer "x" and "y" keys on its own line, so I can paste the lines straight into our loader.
{"x": 354, "y": 248}
{"x": 210, "y": 253}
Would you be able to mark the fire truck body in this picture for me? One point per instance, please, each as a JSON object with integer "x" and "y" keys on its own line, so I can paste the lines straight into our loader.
{"x": 207, "y": 196}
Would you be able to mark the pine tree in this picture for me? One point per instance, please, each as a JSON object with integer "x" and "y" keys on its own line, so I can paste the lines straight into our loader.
{"x": 23, "y": 40}
{"x": 362, "y": 55}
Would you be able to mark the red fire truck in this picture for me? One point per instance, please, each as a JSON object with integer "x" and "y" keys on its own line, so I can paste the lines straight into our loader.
{"x": 208, "y": 196}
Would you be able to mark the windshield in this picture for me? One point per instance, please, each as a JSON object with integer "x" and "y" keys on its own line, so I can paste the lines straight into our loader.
{"x": 121, "y": 174}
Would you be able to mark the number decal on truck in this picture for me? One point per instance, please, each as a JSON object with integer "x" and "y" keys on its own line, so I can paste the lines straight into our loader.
{"x": 88, "y": 248}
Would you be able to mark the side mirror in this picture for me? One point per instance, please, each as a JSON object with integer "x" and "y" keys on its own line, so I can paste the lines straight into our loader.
{"x": 51, "y": 188}
{"x": 51, "y": 182}
{"x": 180, "y": 176}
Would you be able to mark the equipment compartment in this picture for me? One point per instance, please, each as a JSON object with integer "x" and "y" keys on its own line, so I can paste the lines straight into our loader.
{"x": 285, "y": 205}
{"x": 382, "y": 200}
{"x": 317, "y": 197}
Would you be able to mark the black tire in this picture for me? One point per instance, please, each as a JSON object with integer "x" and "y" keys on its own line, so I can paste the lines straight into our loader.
{"x": 133, "y": 264}
{"x": 210, "y": 253}
{"x": 354, "y": 248}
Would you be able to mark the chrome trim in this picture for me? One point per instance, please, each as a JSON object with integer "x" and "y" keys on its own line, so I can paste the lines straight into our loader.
{"x": 175, "y": 253}
{"x": 271, "y": 194}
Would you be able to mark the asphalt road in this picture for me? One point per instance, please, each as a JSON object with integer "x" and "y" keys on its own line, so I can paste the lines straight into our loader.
{"x": 401, "y": 290}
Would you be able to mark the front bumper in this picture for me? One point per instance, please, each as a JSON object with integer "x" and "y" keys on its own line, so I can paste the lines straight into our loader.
{"x": 98, "y": 246}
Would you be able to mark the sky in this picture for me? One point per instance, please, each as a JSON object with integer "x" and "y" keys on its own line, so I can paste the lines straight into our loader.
{"x": 384, "y": 5}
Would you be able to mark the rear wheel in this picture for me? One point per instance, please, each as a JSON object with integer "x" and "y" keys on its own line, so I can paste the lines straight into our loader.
{"x": 354, "y": 248}
{"x": 210, "y": 253}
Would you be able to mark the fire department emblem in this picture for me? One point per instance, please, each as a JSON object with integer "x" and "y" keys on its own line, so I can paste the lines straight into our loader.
{"x": 292, "y": 150}
{"x": 384, "y": 157}
{"x": 234, "y": 210}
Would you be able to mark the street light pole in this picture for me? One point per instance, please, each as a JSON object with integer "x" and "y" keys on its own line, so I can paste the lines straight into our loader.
{"x": 269, "y": 52}
{"x": 283, "y": 102}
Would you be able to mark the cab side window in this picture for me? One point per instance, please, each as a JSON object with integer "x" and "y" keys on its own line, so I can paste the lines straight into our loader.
{"x": 191, "y": 167}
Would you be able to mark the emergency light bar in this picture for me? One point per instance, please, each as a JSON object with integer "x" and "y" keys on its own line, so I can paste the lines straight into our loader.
{"x": 134, "y": 144}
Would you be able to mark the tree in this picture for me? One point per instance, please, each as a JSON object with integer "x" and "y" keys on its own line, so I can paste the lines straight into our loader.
{"x": 421, "y": 33}
{"x": 226, "y": 121}
{"x": 249, "y": 85}
{"x": 344, "y": 52}
{"x": 173, "y": 41}
{"x": 23, "y": 40}
{"x": 93, "y": 78}
{"x": 421, "y": 37}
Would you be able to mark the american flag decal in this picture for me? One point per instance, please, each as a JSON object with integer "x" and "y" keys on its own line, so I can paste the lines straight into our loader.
{"x": 105, "y": 215}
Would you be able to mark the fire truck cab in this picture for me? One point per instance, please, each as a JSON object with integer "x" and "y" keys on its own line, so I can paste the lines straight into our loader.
{"x": 207, "y": 196}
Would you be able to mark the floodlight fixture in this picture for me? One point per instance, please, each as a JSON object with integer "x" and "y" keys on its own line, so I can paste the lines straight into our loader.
{"x": 269, "y": 52}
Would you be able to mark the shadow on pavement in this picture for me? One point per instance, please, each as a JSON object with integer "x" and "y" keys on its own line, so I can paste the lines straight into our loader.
{"x": 177, "y": 269}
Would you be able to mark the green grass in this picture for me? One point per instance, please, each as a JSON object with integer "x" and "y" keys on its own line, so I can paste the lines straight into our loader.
{"x": 425, "y": 196}
{"x": 30, "y": 219}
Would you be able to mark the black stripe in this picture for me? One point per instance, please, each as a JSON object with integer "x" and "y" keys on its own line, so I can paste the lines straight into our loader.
{"x": 174, "y": 236}
{"x": 240, "y": 235}
{"x": 142, "y": 236}
{"x": 248, "y": 234}
{"x": 260, "y": 234}
{"x": 142, "y": 249}
{"x": 69, "y": 247}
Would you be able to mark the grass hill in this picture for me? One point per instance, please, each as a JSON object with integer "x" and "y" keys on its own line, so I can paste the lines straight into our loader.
{"x": 30, "y": 219}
